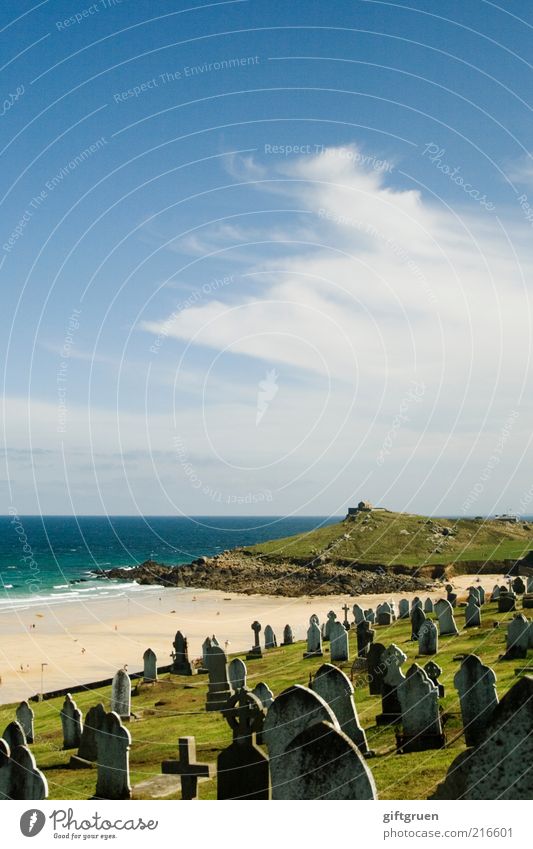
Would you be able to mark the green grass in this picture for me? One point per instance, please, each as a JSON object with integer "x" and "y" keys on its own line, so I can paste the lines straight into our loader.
{"x": 377, "y": 538}
{"x": 155, "y": 733}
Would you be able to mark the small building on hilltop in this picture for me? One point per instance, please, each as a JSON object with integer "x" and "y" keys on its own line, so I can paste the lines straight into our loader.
{"x": 362, "y": 507}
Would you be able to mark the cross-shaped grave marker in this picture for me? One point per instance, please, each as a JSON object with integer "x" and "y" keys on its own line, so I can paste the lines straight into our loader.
{"x": 186, "y": 767}
{"x": 346, "y": 622}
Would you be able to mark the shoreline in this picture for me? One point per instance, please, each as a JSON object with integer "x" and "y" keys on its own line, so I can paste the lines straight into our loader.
{"x": 115, "y": 631}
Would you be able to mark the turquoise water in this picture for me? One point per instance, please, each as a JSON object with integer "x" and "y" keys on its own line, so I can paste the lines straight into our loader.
{"x": 41, "y": 557}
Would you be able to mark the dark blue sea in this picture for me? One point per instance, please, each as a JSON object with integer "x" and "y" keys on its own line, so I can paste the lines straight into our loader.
{"x": 41, "y": 557}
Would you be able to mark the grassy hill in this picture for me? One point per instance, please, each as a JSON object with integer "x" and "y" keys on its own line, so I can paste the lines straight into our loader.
{"x": 392, "y": 539}
{"x": 176, "y": 707}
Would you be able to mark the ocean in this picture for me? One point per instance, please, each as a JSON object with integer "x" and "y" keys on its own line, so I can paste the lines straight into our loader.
{"x": 40, "y": 557}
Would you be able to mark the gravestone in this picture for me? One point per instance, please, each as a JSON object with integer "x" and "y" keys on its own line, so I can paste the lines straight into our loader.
{"x": 314, "y": 618}
{"x": 418, "y": 617}
{"x": 375, "y": 668}
{"x": 149, "y": 666}
{"x": 332, "y": 617}
{"x": 314, "y": 640}
{"x": 517, "y": 638}
{"x": 288, "y": 638}
{"x": 323, "y": 763}
{"x": 473, "y": 593}
{"x": 403, "y": 608}
{"x": 264, "y": 694}
{"x": 452, "y": 599}
{"x": 25, "y": 716}
{"x": 384, "y": 614}
{"x": 237, "y": 674}
{"x": 476, "y": 684}
{"x": 421, "y": 724}
{"x": 358, "y": 613}
{"x": 214, "y": 641}
{"x": 87, "y": 752}
{"x": 345, "y": 621}
{"x": 187, "y": 768}
{"x": 255, "y": 652}
{"x": 206, "y": 645}
{"x": 5, "y": 770}
{"x": 472, "y": 613}
{"x": 121, "y": 694}
{"x": 365, "y": 638}
{"x": 370, "y": 616}
{"x": 447, "y": 625}
{"x": 270, "y": 638}
{"x": 527, "y": 601}
{"x": 219, "y": 690}
{"x": 113, "y": 743}
{"x": 428, "y": 638}
{"x": 393, "y": 677}
{"x": 518, "y": 585}
{"x": 416, "y": 602}
{"x": 433, "y": 671}
{"x": 428, "y": 605}
{"x": 339, "y": 649}
{"x": 499, "y": 766}
{"x": 26, "y": 781}
{"x": 495, "y": 594}
{"x": 180, "y": 656}
{"x": 72, "y": 723}
{"x": 337, "y": 691}
{"x": 506, "y": 602}
{"x": 481, "y": 593}
{"x": 294, "y": 710}
{"x": 14, "y": 735}
{"x": 242, "y": 768}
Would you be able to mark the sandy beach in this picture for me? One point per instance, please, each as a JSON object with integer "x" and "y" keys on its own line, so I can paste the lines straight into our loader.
{"x": 81, "y": 642}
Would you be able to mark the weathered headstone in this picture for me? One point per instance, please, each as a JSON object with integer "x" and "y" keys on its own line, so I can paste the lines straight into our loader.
{"x": 113, "y": 743}
{"x": 370, "y": 616}
{"x": 270, "y": 638}
{"x": 421, "y": 724}
{"x": 294, "y": 710}
{"x": 428, "y": 638}
{"x": 149, "y": 666}
{"x": 187, "y": 768}
{"x": 433, "y": 671}
{"x": 518, "y": 585}
{"x": 472, "y": 612}
{"x": 337, "y": 691}
{"x": 416, "y": 602}
{"x": 476, "y": 684}
{"x": 506, "y": 601}
{"x": 499, "y": 766}
{"x": 25, "y": 716}
{"x": 180, "y": 656}
{"x": 481, "y": 593}
{"x": 5, "y": 770}
{"x": 206, "y": 645}
{"x": 359, "y": 614}
{"x": 473, "y": 593}
{"x": 339, "y": 649}
{"x": 242, "y": 768}
{"x": 428, "y": 605}
{"x": 332, "y": 617}
{"x": 288, "y": 638}
{"x": 418, "y": 617}
{"x": 264, "y": 694}
{"x": 14, "y": 735}
{"x": 393, "y": 677}
{"x": 384, "y": 614}
{"x": 375, "y": 668}
{"x": 495, "y": 594}
{"x": 447, "y": 625}
{"x": 219, "y": 690}
{"x": 365, "y": 638}
{"x": 237, "y": 674}
{"x": 121, "y": 694}
{"x": 314, "y": 640}
{"x": 26, "y": 781}
{"x": 87, "y": 752}
{"x": 72, "y": 723}
{"x": 323, "y": 763}
{"x": 255, "y": 652}
{"x": 517, "y": 638}
{"x": 451, "y": 597}
{"x": 403, "y": 608}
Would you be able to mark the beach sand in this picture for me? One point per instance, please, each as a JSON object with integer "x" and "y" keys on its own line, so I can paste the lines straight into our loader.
{"x": 116, "y": 631}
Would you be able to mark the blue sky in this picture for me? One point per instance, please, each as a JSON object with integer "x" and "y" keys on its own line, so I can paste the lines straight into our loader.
{"x": 266, "y": 258}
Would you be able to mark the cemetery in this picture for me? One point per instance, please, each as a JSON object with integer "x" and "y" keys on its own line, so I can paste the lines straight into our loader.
{"x": 416, "y": 702}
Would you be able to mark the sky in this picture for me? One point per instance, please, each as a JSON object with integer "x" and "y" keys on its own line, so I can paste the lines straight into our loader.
{"x": 266, "y": 258}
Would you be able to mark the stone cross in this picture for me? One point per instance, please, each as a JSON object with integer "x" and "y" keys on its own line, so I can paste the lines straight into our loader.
{"x": 113, "y": 743}
{"x": 476, "y": 684}
{"x": 346, "y": 622}
{"x": 337, "y": 691}
{"x": 187, "y": 768}
{"x": 447, "y": 625}
{"x": 242, "y": 768}
{"x": 237, "y": 674}
{"x": 149, "y": 666}
{"x": 72, "y": 723}
{"x": 121, "y": 694}
{"x": 433, "y": 670}
{"x": 255, "y": 651}
{"x": 25, "y": 716}
{"x": 339, "y": 648}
